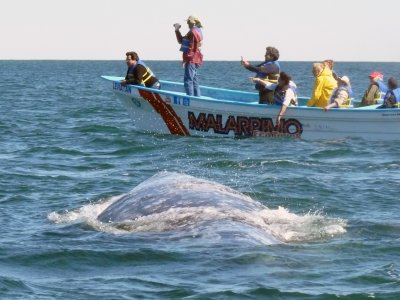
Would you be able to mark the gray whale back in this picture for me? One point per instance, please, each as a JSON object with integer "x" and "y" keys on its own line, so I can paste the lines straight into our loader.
{"x": 179, "y": 206}
{"x": 168, "y": 190}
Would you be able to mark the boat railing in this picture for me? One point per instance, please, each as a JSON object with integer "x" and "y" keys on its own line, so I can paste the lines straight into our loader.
{"x": 214, "y": 93}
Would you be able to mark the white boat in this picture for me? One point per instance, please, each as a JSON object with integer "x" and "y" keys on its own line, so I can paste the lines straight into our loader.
{"x": 230, "y": 113}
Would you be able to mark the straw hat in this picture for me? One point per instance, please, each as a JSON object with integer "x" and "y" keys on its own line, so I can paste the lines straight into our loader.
{"x": 194, "y": 20}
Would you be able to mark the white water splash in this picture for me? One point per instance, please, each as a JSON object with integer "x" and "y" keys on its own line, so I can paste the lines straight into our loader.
{"x": 85, "y": 213}
{"x": 223, "y": 212}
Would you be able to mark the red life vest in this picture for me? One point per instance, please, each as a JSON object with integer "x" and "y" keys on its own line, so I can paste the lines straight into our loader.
{"x": 193, "y": 55}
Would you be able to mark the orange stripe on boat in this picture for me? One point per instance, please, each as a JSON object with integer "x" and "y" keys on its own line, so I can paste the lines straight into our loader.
{"x": 171, "y": 119}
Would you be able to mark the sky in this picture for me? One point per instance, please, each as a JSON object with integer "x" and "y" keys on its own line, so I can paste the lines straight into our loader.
{"x": 302, "y": 30}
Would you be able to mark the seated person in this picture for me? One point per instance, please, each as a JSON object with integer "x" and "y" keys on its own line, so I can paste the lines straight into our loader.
{"x": 324, "y": 85}
{"x": 342, "y": 95}
{"x": 392, "y": 97}
{"x": 330, "y": 64}
{"x": 376, "y": 90}
{"x": 138, "y": 73}
{"x": 284, "y": 93}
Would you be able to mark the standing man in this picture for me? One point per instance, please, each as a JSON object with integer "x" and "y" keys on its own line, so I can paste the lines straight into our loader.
{"x": 192, "y": 57}
{"x": 138, "y": 73}
{"x": 267, "y": 71}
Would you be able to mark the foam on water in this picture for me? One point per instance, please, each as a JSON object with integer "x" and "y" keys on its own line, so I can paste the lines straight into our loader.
{"x": 172, "y": 202}
{"x": 85, "y": 213}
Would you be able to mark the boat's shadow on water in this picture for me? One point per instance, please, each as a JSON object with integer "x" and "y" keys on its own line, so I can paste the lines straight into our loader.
{"x": 185, "y": 206}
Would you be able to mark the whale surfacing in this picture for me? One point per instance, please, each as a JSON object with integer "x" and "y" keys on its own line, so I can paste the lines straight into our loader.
{"x": 167, "y": 190}
{"x": 188, "y": 206}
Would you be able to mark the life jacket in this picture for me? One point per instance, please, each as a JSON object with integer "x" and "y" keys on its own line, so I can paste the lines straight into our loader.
{"x": 351, "y": 93}
{"x": 200, "y": 35}
{"x": 348, "y": 102}
{"x": 381, "y": 93}
{"x": 279, "y": 96}
{"x": 396, "y": 94}
{"x": 185, "y": 45}
{"x": 146, "y": 76}
{"x": 271, "y": 77}
{"x": 351, "y": 97}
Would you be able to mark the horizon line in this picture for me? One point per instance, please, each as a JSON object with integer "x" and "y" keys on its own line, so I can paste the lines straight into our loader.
{"x": 178, "y": 60}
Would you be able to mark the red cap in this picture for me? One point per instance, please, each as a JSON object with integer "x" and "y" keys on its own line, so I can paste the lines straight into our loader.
{"x": 375, "y": 74}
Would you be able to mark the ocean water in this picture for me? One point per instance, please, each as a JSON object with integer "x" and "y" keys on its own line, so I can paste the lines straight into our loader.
{"x": 211, "y": 218}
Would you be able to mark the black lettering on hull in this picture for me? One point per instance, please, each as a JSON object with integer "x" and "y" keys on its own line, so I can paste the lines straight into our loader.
{"x": 245, "y": 126}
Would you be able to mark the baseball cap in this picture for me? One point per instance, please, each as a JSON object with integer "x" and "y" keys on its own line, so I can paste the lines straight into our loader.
{"x": 375, "y": 74}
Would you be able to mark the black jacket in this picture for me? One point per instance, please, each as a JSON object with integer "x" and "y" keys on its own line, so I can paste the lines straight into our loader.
{"x": 137, "y": 76}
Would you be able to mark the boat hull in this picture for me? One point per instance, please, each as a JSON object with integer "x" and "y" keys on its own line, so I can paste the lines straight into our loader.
{"x": 225, "y": 113}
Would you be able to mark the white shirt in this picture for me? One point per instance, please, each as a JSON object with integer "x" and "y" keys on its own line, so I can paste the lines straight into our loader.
{"x": 289, "y": 95}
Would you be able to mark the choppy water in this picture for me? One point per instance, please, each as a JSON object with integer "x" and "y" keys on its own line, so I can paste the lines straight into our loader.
{"x": 225, "y": 218}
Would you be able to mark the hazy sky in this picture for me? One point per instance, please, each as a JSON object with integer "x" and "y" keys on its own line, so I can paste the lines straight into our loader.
{"x": 310, "y": 30}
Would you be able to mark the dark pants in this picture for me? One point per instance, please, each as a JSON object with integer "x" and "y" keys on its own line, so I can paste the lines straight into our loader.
{"x": 266, "y": 96}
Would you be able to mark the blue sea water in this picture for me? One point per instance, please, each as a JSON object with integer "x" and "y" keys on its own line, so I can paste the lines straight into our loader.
{"x": 325, "y": 222}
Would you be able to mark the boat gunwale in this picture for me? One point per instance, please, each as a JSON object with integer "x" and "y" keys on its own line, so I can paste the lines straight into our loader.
{"x": 365, "y": 109}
